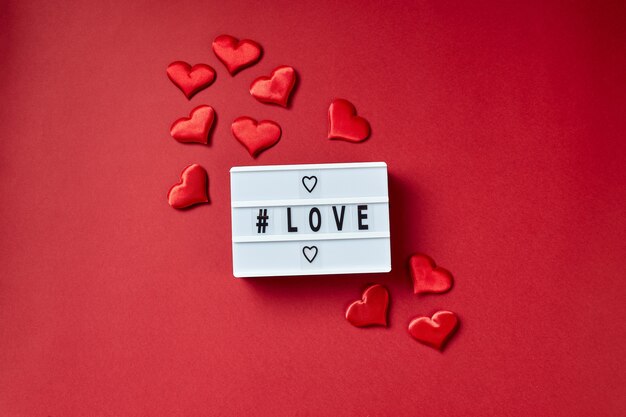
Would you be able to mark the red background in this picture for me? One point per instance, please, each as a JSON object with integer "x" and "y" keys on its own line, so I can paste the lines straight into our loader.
{"x": 503, "y": 127}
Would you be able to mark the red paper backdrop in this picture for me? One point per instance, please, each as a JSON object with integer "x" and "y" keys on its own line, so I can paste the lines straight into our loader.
{"x": 503, "y": 127}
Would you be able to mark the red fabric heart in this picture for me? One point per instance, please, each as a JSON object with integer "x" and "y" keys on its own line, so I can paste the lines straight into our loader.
{"x": 371, "y": 310}
{"x": 235, "y": 54}
{"x": 434, "y": 332}
{"x": 256, "y": 137}
{"x": 192, "y": 188}
{"x": 344, "y": 124}
{"x": 190, "y": 79}
{"x": 194, "y": 128}
{"x": 276, "y": 88}
{"x": 427, "y": 276}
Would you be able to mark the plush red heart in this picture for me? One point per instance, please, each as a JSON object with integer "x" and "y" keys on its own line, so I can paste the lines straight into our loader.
{"x": 192, "y": 188}
{"x": 345, "y": 124}
{"x": 427, "y": 276}
{"x": 190, "y": 79}
{"x": 194, "y": 128}
{"x": 235, "y": 54}
{"x": 434, "y": 332}
{"x": 276, "y": 88}
{"x": 256, "y": 137}
{"x": 371, "y": 310}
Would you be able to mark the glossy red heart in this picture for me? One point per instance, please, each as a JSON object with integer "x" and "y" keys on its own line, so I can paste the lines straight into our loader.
{"x": 256, "y": 137}
{"x": 192, "y": 188}
{"x": 435, "y": 331}
{"x": 196, "y": 127}
{"x": 371, "y": 310}
{"x": 235, "y": 54}
{"x": 427, "y": 276}
{"x": 344, "y": 123}
{"x": 190, "y": 79}
{"x": 276, "y": 88}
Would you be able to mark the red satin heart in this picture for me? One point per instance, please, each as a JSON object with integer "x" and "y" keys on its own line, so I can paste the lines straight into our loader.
{"x": 190, "y": 79}
{"x": 192, "y": 188}
{"x": 344, "y": 124}
{"x": 427, "y": 276}
{"x": 196, "y": 127}
{"x": 235, "y": 54}
{"x": 434, "y": 332}
{"x": 256, "y": 137}
{"x": 371, "y": 310}
{"x": 276, "y": 88}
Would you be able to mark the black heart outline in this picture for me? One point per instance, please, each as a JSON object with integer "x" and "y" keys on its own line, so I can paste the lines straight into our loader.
{"x": 309, "y": 248}
{"x": 309, "y": 178}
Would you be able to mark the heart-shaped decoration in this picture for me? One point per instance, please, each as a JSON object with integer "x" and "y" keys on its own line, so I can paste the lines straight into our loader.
{"x": 371, "y": 310}
{"x": 344, "y": 123}
{"x": 310, "y": 252}
{"x": 427, "y": 276}
{"x": 196, "y": 127}
{"x": 190, "y": 79}
{"x": 255, "y": 136}
{"x": 235, "y": 54}
{"x": 309, "y": 182}
{"x": 435, "y": 331}
{"x": 276, "y": 88}
{"x": 192, "y": 188}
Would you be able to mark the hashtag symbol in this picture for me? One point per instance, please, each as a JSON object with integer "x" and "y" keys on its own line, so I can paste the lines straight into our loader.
{"x": 262, "y": 223}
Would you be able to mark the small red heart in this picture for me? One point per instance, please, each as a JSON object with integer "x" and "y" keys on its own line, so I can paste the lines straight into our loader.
{"x": 275, "y": 88}
{"x": 194, "y": 128}
{"x": 192, "y": 188}
{"x": 235, "y": 54}
{"x": 434, "y": 332}
{"x": 345, "y": 124}
{"x": 256, "y": 137}
{"x": 371, "y": 310}
{"x": 190, "y": 79}
{"x": 427, "y": 276}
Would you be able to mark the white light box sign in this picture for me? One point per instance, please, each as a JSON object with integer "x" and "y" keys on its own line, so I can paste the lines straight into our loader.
{"x": 310, "y": 219}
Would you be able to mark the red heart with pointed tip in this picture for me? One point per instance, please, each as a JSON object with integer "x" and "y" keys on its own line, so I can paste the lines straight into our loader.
{"x": 192, "y": 188}
{"x": 435, "y": 331}
{"x": 235, "y": 54}
{"x": 427, "y": 276}
{"x": 344, "y": 124}
{"x": 256, "y": 137}
{"x": 276, "y": 88}
{"x": 371, "y": 310}
{"x": 196, "y": 127}
{"x": 190, "y": 79}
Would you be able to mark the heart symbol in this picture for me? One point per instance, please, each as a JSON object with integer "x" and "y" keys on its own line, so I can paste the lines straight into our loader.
{"x": 306, "y": 182}
{"x": 194, "y": 128}
{"x": 427, "y": 277}
{"x": 275, "y": 88}
{"x": 345, "y": 124}
{"x": 434, "y": 332}
{"x": 236, "y": 55}
{"x": 256, "y": 137}
{"x": 192, "y": 188}
{"x": 309, "y": 252}
{"x": 371, "y": 310}
{"x": 190, "y": 79}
